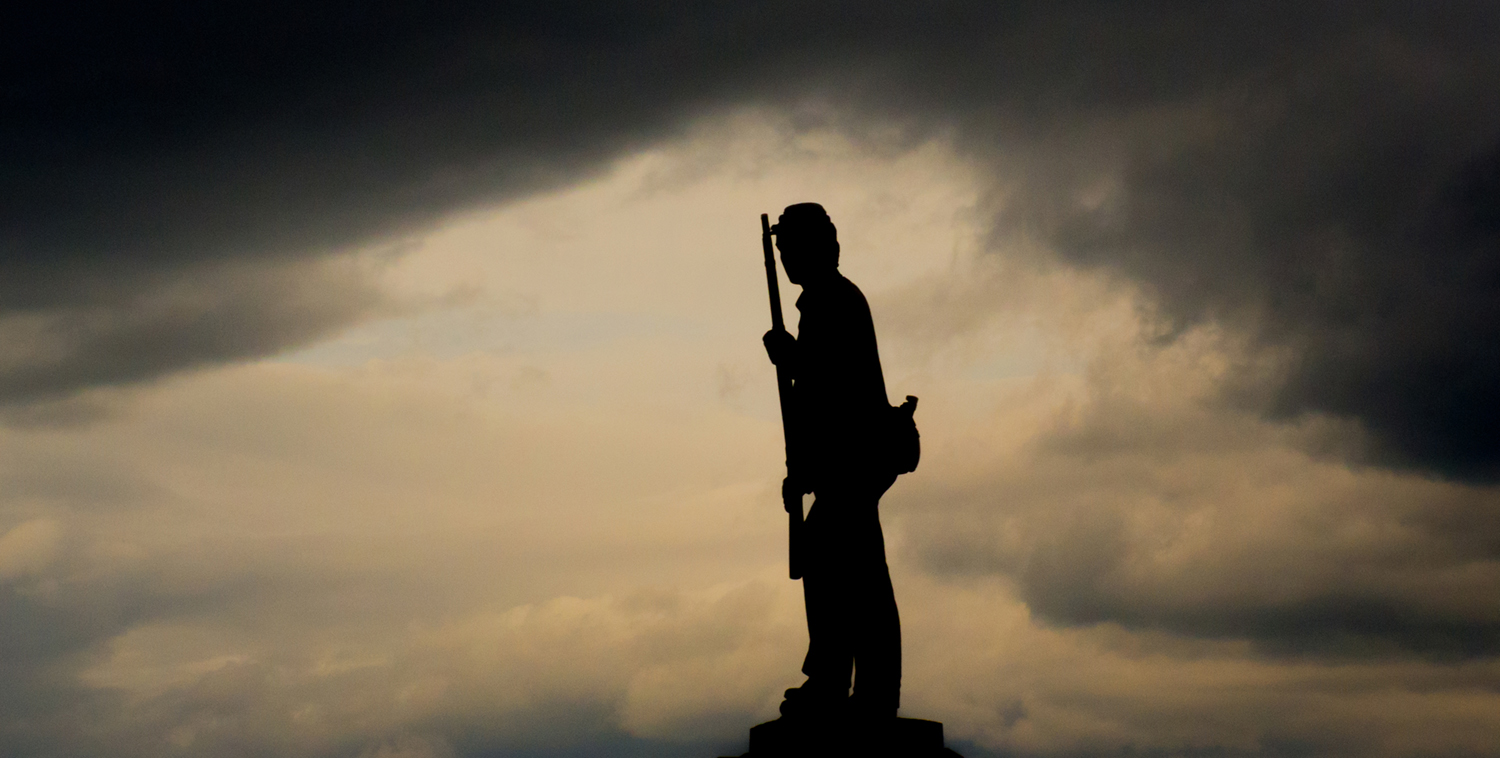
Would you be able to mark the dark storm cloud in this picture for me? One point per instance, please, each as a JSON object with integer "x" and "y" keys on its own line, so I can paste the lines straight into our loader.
{"x": 144, "y": 141}
{"x": 1321, "y": 175}
{"x": 1343, "y": 205}
{"x": 176, "y": 318}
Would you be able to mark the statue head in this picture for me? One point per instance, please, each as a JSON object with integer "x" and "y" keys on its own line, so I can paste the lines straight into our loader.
{"x": 808, "y": 242}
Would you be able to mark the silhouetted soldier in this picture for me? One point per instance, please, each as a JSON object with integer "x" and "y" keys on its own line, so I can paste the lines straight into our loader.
{"x": 838, "y": 399}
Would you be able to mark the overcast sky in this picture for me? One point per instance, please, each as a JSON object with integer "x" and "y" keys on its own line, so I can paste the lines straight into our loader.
{"x": 385, "y": 381}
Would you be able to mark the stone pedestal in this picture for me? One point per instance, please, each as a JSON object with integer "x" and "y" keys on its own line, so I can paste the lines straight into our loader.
{"x": 898, "y": 738}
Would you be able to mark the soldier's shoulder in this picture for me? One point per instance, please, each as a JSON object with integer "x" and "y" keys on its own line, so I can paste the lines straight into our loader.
{"x": 846, "y": 287}
{"x": 849, "y": 291}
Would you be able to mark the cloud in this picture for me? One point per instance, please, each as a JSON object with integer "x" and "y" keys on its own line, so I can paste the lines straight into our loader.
{"x": 142, "y": 324}
{"x": 417, "y": 554}
{"x": 28, "y": 547}
{"x": 1012, "y": 685}
{"x": 1127, "y": 534}
{"x": 1321, "y": 178}
{"x": 1131, "y": 496}
{"x": 176, "y": 598}
{"x": 1335, "y": 201}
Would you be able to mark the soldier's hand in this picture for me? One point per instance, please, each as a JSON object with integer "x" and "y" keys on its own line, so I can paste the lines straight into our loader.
{"x": 780, "y": 346}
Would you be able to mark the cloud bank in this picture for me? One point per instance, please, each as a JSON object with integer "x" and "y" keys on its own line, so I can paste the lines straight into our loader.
{"x": 1210, "y": 455}
{"x": 1325, "y": 177}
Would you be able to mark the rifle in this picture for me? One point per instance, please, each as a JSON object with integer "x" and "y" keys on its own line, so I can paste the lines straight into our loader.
{"x": 792, "y": 501}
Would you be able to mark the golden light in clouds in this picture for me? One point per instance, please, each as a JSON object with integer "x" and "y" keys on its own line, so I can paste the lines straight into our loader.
{"x": 539, "y": 501}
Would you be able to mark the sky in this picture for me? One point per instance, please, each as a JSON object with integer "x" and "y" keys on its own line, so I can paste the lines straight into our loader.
{"x": 384, "y": 380}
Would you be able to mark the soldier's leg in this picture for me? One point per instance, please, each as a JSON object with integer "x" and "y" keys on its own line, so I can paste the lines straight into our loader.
{"x": 877, "y": 652}
{"x": 829, "y": 664}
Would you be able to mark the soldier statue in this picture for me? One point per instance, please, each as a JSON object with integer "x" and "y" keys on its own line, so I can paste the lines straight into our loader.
{"x": 838, "y": 434}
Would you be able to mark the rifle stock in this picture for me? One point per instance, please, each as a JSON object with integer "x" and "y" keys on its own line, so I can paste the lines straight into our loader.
{"x": 792, "y": 501}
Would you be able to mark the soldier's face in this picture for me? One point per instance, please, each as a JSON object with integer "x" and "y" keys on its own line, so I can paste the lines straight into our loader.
{"x": 798, "y": 256}
{"x": 792, "y": 257}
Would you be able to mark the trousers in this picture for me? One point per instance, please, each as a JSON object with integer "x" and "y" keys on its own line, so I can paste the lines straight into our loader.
{"x": 853, "y": 626}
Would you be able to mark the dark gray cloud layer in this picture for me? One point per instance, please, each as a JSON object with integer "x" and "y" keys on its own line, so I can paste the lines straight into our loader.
{"x": 1340, "y": 198}
{"x": 1324, "y": 176}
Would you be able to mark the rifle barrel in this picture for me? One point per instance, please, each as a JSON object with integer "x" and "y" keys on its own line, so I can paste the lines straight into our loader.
{"x": 784, "y": 391}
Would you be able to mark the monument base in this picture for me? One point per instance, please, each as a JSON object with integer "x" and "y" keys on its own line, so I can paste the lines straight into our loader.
{"x": 899, "y": 738}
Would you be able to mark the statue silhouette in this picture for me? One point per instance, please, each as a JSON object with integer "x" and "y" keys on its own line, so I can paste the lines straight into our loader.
{"x": 837, "y": 416}
{"x": 845, "y": 445}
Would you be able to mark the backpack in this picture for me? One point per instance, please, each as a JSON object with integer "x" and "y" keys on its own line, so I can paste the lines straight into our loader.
{"x": 903, "y": 443}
